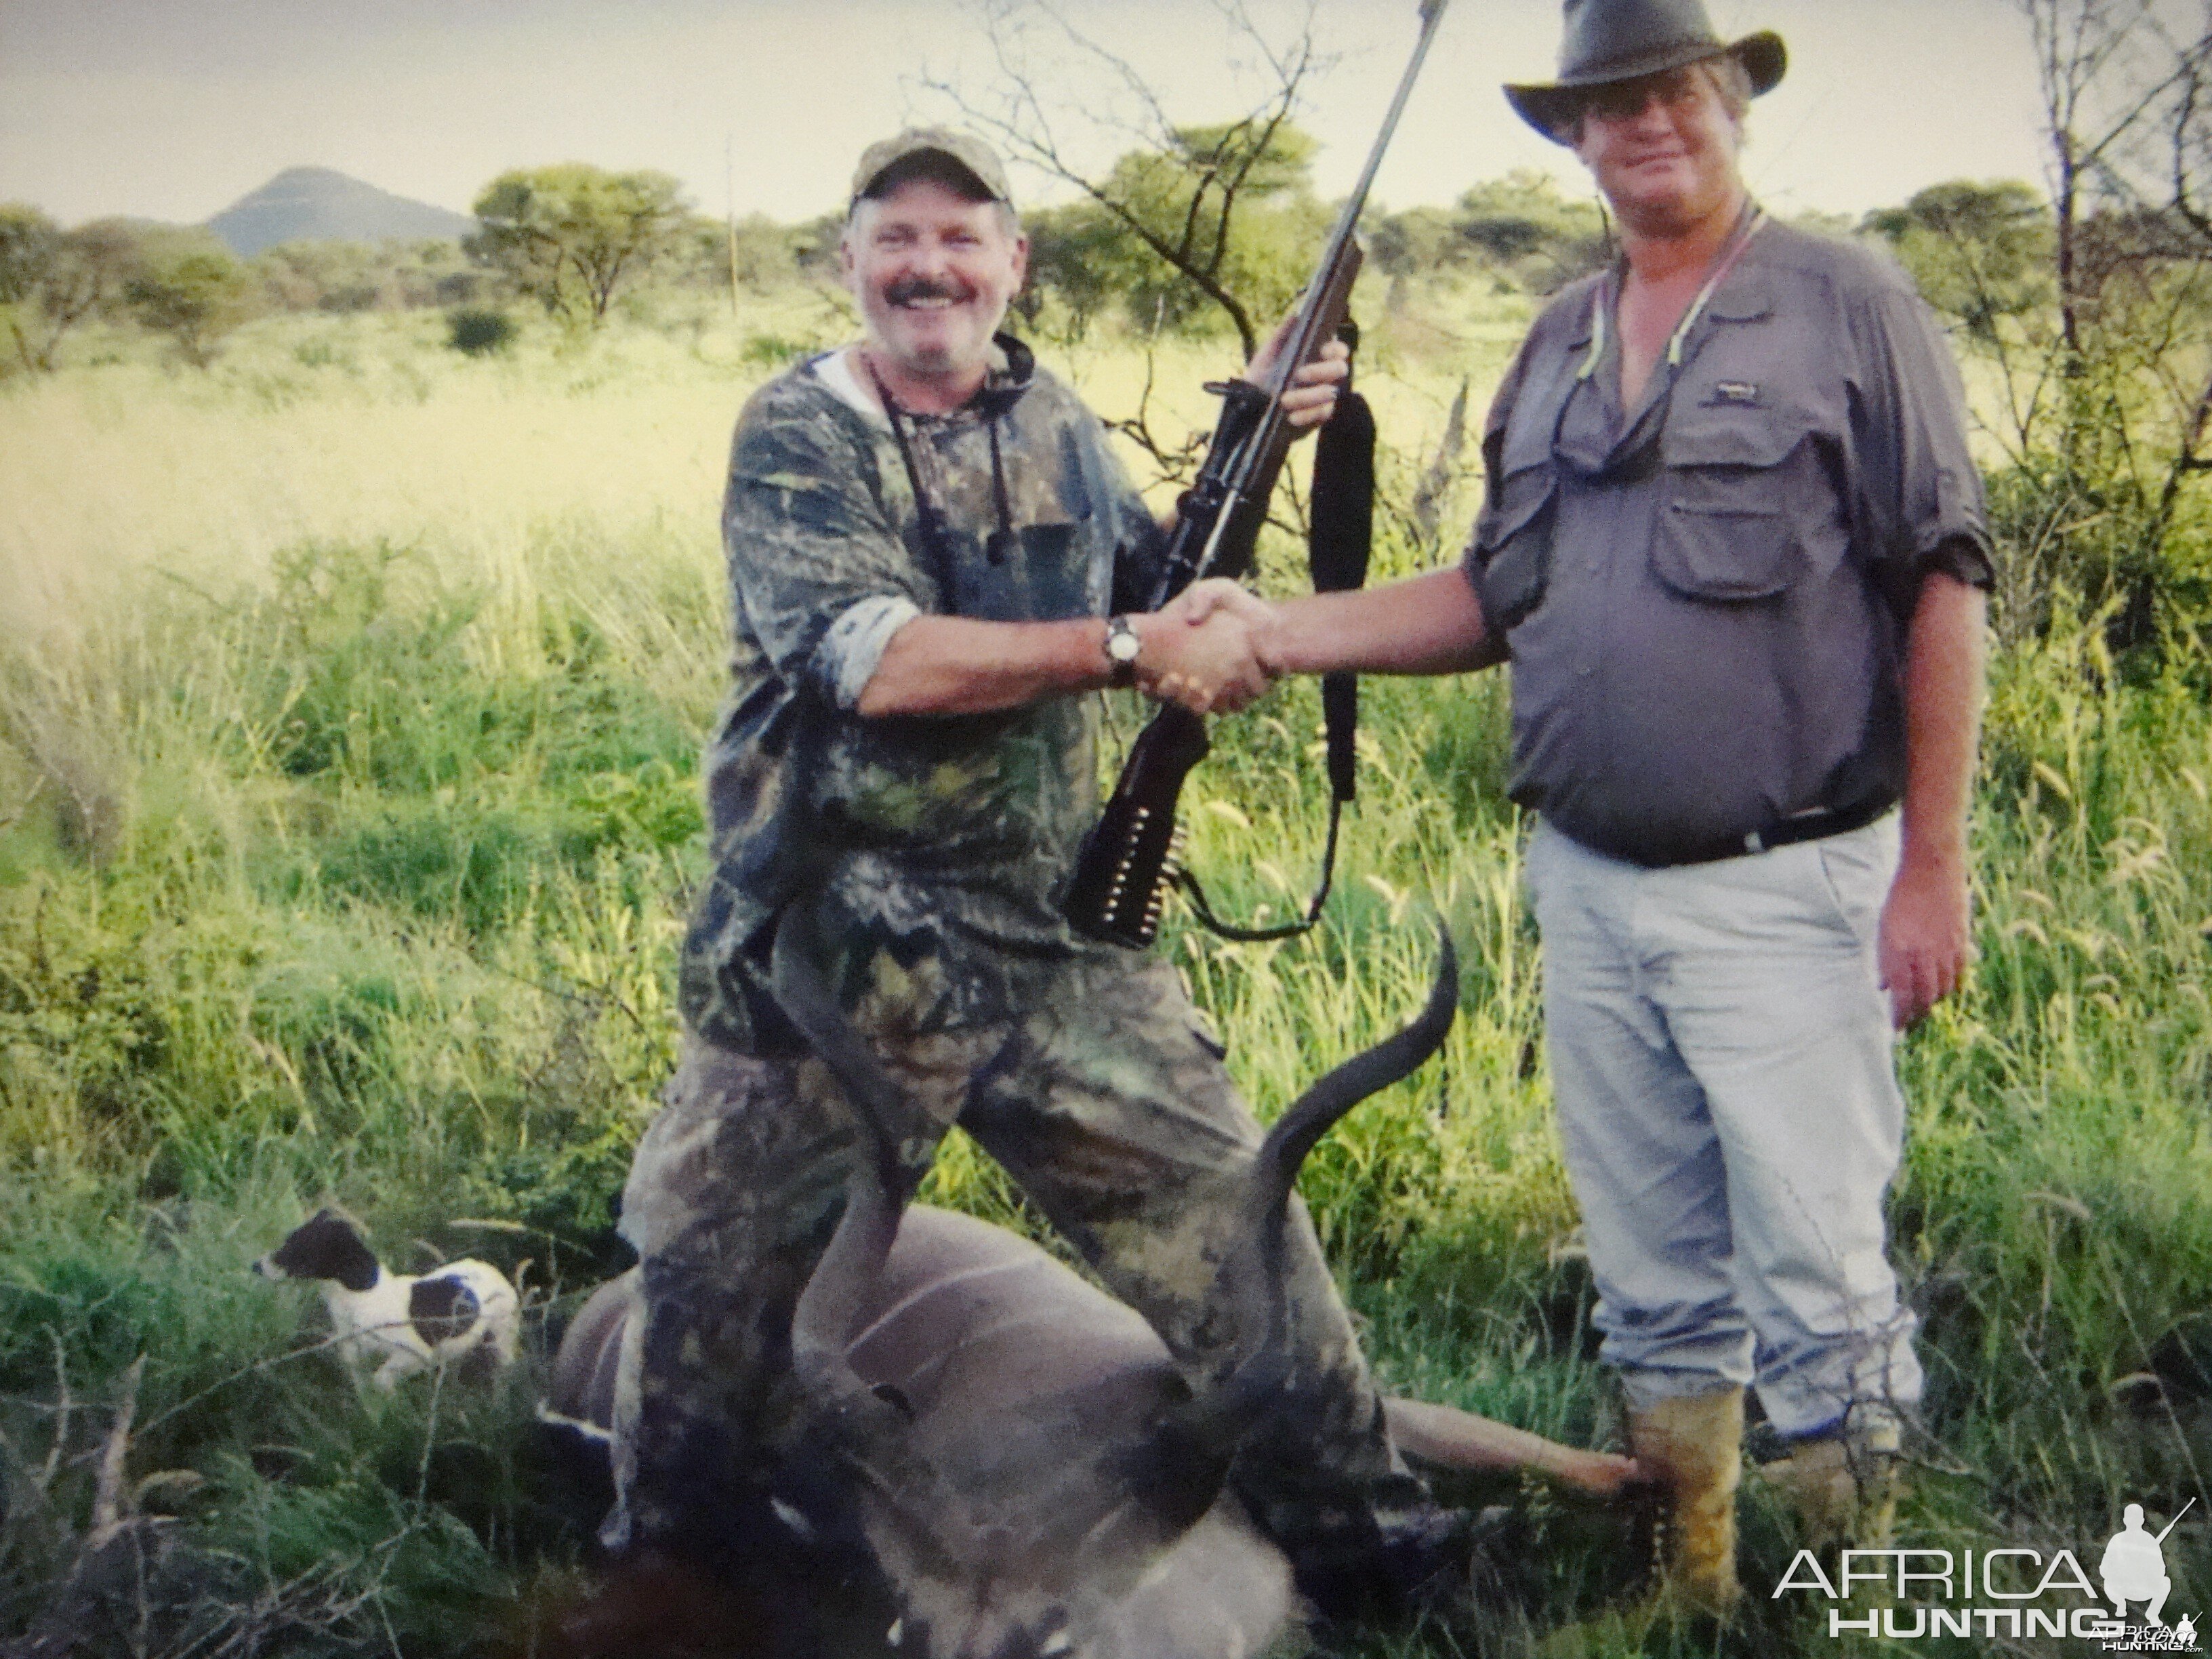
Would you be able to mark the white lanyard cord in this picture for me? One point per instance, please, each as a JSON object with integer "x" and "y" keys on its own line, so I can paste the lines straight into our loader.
{"x": 1600, "y": 305}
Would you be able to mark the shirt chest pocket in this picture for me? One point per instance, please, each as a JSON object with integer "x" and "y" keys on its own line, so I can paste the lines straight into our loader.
{"x": 1728, "y": 531}
{"x": 1039, "y": 573}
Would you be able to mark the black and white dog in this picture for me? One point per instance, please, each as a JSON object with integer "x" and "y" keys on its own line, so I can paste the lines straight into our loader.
{"x": 465, "y": 1310}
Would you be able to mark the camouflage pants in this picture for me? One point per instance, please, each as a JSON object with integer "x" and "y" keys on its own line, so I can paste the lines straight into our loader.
{"x": 1119, "y": 1122}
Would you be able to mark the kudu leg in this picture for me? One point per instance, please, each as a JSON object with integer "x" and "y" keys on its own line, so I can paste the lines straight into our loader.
{"x": 1453, "y": 1439}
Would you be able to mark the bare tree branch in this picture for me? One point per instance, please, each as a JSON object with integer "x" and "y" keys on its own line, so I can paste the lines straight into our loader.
{"x": 1211, "y": 179}
{"x": 108, "y": 1502}
{"x": 2127, "y": 115}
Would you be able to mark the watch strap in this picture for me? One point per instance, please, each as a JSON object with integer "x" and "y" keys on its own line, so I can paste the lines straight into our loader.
{"x": 1121, "y": 645}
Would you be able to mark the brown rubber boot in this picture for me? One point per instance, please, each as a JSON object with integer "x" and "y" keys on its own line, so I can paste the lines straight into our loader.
{"x": 1691, "y": 1447}
{"x": 1843, "y": 1486}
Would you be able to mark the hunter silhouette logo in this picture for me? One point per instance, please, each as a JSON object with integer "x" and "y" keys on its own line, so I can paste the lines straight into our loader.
{"x": 2008, "y": 1592}
{"x": 2134, "y": 1569}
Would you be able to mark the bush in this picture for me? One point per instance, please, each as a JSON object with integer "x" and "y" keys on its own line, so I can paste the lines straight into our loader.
{"x": 774, "y": 351}
{"x": 479, "y": 333}
{"x": 190, "y": 288}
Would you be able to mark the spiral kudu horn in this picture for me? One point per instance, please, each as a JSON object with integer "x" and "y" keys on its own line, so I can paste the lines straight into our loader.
{"x": 837, "y": 1297}
{"x": 1256, "y": 1362}
{"x": 1316, "y": 1111}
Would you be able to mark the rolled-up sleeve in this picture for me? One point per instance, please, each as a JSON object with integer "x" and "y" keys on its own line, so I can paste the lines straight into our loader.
{"x": 853, "y": 646}
{"x": 1919, "y": 494}
{"x": 819, "y": 576}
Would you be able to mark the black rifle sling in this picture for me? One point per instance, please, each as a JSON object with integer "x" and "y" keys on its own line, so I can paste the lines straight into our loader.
{"x": 1340, "y": 532}
{"x": 1343, "y": 533}
{"x": 1122, "y": 868}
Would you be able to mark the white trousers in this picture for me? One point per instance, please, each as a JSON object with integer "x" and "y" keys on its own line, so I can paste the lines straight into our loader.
{"x": 1720, "y": 1056}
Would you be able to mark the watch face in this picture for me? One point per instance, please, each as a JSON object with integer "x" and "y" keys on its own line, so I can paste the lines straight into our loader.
{"x": 1122, "y": 644}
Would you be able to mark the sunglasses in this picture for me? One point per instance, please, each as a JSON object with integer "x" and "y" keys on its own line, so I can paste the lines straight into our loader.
{"x": 1624, "y": 101}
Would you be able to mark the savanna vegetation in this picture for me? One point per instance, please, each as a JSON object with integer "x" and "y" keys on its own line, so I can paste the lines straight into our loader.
{"x": 357, "y": 654}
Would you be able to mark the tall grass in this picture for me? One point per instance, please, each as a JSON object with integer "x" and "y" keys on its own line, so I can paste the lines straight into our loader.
{"x": 349, "y": 706}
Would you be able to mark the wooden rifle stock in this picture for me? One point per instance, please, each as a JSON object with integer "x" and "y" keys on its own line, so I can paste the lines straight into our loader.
{"x": 1127, "y": 861}
{"x": 1120, "y": 881}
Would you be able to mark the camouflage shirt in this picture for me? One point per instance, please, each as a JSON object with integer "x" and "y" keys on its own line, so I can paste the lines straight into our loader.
{"x": 943, "y": 839}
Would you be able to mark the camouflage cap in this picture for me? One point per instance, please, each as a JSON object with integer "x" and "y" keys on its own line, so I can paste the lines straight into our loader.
{"x": 971, "y": 153}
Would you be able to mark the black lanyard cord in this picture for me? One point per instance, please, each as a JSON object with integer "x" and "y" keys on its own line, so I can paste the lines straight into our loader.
{"x": 936, "y": 532}
{"x": 995, "y": 548}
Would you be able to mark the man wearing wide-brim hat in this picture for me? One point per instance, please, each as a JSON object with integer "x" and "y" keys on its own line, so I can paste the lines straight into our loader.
{"x": 1733, "y": 547}
{"x": 1610, "y": 46}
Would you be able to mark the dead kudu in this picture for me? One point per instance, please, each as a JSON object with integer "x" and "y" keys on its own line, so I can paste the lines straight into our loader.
{"x": 1033, "y": 1474}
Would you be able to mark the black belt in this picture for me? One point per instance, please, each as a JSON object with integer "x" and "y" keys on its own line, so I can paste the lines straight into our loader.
{"x": 1801, "y": 826}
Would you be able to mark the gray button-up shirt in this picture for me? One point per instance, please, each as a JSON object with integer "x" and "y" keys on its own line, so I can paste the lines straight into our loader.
{"x": 1704, "y": 598}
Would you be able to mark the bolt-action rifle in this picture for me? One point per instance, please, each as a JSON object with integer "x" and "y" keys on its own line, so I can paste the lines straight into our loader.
{"x": 1121, "y": 874}
{"x": 2176, "y": 1522}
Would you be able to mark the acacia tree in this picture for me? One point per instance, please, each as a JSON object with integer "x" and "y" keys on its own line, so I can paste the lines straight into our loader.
{"x": 1256, "y": 256}
{"x": 26, "y": 246}
{"x": 189, "y": 287}
{"x": 1522, "y": 226}
{"x": 2091, "y": 313}
{"x": 1981, "y": 255}
{"x": 51, "y": 280}
{"x": 570, "y": 236}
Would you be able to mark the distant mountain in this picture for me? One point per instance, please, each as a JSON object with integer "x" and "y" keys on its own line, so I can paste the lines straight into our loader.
{"x": 320, "y": 204}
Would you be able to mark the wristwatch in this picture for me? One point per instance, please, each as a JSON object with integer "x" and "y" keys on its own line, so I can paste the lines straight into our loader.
{"x": 1122, "y": 646}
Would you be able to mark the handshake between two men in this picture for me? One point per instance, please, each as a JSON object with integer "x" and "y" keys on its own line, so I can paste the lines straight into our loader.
{"x": 1217, "y": 646}
{"x": 1211, "y": 649}
{"x": 1220, "y": 646}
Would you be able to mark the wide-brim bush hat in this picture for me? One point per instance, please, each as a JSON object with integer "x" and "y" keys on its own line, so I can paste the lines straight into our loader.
{"x": 1610, "y": 40}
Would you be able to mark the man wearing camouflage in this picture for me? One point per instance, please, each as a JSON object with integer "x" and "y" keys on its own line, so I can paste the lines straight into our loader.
{"x": 927, "y": 536}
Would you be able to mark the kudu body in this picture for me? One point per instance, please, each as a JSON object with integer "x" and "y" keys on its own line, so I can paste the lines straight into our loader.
{"x": 1035, "y": 1474}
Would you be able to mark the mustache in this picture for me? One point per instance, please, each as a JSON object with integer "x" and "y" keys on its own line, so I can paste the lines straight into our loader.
{"x": 907, "y": 289}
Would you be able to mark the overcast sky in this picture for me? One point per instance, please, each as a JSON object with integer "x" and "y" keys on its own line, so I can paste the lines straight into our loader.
{"x": 173, "y": 109}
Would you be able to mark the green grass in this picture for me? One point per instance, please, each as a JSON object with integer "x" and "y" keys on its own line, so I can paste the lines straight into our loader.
{"x": 347, "y": 719}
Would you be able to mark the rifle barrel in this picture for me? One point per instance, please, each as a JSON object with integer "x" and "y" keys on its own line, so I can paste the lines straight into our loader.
{"x": 2176, "y": 1522}
{"x": 1347, "y": 220}
{"x": 1253, "y": 437}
